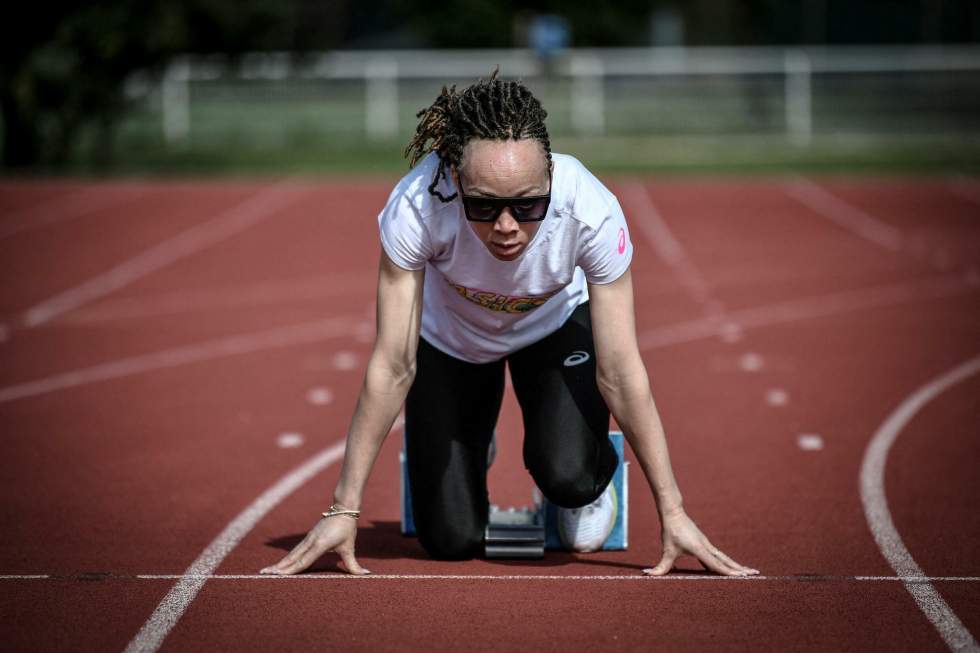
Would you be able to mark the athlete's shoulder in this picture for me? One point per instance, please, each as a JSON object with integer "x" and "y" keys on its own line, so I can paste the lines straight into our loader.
{"x": 580, "y": 194}
{"x": 413, "y": 188}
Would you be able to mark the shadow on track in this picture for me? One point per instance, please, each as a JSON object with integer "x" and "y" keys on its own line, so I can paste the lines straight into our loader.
{"x": 382, "y": 540}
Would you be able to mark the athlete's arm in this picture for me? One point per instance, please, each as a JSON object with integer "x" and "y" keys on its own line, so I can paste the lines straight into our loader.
{"x": 623, "y": 383}
{"x": 390, "y": 372}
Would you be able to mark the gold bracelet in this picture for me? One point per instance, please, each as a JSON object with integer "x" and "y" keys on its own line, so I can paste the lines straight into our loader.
{"x": 340, "y": 510}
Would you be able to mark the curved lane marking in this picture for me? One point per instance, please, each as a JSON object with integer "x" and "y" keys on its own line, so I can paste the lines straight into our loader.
{"x": 872, "y": 481}
{"x": 173, "y": 605}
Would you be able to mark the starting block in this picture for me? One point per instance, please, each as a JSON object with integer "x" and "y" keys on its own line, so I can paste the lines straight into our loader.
{"x": 527, "y": 531}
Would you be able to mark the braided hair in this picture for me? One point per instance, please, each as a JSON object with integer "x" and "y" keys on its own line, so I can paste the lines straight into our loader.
{"x": 490, "y": 109}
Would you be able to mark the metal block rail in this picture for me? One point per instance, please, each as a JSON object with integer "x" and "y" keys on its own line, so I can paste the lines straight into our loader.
{"x": 515, "y": 533}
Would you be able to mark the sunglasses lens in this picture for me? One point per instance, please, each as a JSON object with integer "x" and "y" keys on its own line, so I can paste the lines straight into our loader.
{"x": 531, "y": 210}
{"x": 481, "y": 210}
{"x": 487, "y": 210}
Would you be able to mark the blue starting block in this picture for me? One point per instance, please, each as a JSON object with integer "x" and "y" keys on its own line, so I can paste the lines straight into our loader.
{"x": 527, "y": 532}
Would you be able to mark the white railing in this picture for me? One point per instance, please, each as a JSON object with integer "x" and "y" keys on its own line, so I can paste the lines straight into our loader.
{"x": 586, "y": 73}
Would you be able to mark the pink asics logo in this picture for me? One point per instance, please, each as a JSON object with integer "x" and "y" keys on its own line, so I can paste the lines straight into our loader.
{"x": 622, "y": 240}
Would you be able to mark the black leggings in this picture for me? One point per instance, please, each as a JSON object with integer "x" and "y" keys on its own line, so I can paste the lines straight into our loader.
{"x": 450, "y": 414}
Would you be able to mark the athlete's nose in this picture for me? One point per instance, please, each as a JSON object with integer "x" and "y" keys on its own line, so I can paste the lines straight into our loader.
{"x": 505, "y": 222}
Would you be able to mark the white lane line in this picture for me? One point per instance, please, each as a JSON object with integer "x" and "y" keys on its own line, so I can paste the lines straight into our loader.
{"x": 658, "y": 235}
{"x": 777, "y": 397}
{"x": 290, "y": 440}
{"x": 173, "y": 605}
{"x": 228, "y": 346}
{"x": 809, "y": 442}
{"x": 71, "y": 205}
{"x": 872, "y": 482}
{"x": 635, "y": 577}
{"x": 665, "y": 336}
{"x": 342, "y": 576}
{"x": 846, "y": 215}
{"x": 24, "y": 576}
{"x": 796, "y": 310}
{"x": 344, "y": 361}
{"x": 264, "y": 204}
{"x": 750, "y": 362}
{"x": 319, "y": 396}
{"x": 211, "y": 299}
{"x": 730, "y": 333}
{"x": 922, "y": 579}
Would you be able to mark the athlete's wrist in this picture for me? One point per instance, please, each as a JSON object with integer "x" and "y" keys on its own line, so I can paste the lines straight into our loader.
{"x": 670, "y": 506}
{"x": 348, "y": 501}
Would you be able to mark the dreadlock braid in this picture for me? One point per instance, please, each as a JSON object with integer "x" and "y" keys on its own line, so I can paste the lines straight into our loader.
{"x": 491, "y": 109}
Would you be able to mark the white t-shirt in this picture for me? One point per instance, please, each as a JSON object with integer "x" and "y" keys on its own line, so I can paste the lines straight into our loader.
{"x": 479, "y": 308}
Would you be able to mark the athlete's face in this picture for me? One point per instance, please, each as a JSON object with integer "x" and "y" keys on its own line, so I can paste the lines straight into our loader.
{"x": 491, "y": 168}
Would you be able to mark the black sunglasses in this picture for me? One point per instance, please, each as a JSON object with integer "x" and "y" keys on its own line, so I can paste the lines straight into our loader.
{"x": 532, "y": 208}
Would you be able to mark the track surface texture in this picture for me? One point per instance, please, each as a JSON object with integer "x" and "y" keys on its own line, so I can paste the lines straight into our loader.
{"x": 179, "y": 361}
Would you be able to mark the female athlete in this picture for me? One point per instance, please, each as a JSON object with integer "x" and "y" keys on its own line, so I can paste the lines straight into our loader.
{"x": 495, "y": 251}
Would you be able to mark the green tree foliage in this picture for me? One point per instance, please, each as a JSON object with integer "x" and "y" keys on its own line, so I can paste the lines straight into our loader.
{"x": 64, "y": 65}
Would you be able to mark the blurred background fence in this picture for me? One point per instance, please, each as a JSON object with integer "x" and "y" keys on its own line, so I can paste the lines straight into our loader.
{"x": 334, "y": 85}
{"x": 797, "y": 100}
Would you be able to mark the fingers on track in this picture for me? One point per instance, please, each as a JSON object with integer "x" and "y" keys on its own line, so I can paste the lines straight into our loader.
{"x": 721, "y": 554}
{"x": 666, "y": 564}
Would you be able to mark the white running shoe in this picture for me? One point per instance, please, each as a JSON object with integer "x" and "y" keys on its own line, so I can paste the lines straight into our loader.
{"x": 585, "y": 529}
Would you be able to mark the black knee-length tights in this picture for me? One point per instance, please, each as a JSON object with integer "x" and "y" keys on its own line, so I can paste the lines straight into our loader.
{"x": 450, "y": 414}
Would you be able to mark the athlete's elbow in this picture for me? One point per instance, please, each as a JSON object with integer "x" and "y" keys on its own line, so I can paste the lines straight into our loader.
{"x": 618, "y": 383}
{"x": 389, "y": 371}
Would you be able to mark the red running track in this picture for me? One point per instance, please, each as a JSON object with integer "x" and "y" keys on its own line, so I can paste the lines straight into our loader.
{"x": 158, "y": 338}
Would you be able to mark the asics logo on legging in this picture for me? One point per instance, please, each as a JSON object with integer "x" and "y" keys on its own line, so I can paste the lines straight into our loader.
{"x": 577, "y": 358}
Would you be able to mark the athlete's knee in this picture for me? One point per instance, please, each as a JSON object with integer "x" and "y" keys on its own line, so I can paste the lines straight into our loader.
{"x": 572, "y": 481}
{"x": 567, "y": 486}
{"x": 452, "y": 542}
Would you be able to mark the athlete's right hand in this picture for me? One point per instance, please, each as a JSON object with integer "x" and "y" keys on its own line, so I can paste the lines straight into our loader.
{"x": 329, "y": 534}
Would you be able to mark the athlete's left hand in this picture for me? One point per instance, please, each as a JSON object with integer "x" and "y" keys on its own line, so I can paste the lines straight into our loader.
{"x": 682, "y": 537}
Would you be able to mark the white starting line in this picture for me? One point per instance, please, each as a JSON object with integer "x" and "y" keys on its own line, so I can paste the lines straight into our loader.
{"x": 496, "y": 577}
